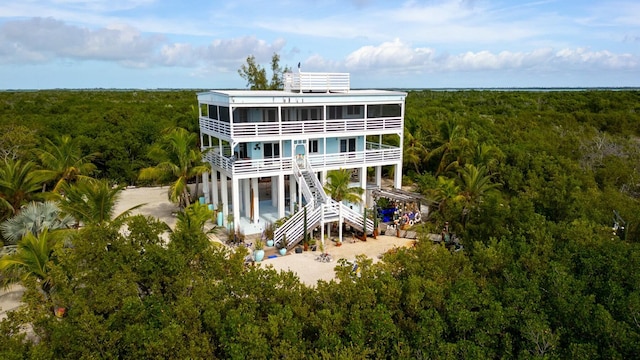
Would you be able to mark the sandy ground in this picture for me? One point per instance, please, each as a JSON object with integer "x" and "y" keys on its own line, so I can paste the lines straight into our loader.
{"x": 304, "y": 264}
{"x": 310, "y": 271}
{"x": 155, "y": 203}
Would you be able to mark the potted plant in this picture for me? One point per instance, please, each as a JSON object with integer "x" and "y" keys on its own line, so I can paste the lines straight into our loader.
{"x": 283, "y": 245}
{"x": 269, "y": 230}
{"x": 258, "y": 250}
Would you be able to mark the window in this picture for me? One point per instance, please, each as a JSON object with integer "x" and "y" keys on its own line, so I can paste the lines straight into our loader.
{"x": 385, "y": 110}
{"x": 347, "y": 145}
{"x": 240, "y": 115}
{"x": 213, "y": 112}
{"x": 204, "y": 110}
{"x": 334, "y": 112}
{"x": 355, "y": 110}
{"x": 224, "y": 113}
{"x": 313, "y": 146}
{"x": 271, "y": 150}
{"x": 269, "y": 115}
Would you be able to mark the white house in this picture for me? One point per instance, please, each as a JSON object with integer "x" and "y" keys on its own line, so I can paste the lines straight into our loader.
{"x": 270, "y": 150}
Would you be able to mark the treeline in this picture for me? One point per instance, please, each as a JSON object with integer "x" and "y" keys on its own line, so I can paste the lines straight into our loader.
{"x": 528, "y": 181}
{"x": 119, "y": 126}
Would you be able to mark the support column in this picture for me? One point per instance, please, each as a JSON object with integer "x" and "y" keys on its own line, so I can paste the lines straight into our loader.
{"x": 292, "y": 193}
{"x": 281, "y": 196}
{"x": 205, "y": 187}
{"x": 363, "y": 185}
{"x": 274, "y": 190}
{"x": 246, "y": 198}
{"x": 214, "y": 188}
{"x": 255, "y": 200}
{"x": 235, "y": 196}
{"x": 397, "y": 176}
{"x": 379, "y": 176}
{"x": 224, "y": 190}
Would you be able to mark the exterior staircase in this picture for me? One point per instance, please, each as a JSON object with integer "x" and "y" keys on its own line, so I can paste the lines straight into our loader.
{"x": 319, "y": 209}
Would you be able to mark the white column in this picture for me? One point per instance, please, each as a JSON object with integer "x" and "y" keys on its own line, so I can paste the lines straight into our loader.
{"x": 281, "y": 196}
{"x": 246, "y": 197}
{"x": 274, "y": 190}
{"x": 397, "y": 176}
{"x": 292, "y": 193}
{"x": 322, "y": 230}
{"x": 224, "y": 190}
{"x": 379, "y": 176}
{"x": 340, "y": 222}
{"x": 363, "y": 185}
{"x": 214, "y": 188}
{"x": 205, "y": 187}
{"x": 235, "y": 196}
{"x": 256, "y": 200}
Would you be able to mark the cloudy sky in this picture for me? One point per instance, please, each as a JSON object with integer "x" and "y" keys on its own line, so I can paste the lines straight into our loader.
{"x": 382, "y": 43}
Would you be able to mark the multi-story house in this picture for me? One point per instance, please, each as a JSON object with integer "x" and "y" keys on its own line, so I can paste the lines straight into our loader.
{"x": 270, "y": 151}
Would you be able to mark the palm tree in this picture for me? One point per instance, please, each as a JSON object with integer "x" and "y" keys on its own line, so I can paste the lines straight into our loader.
{"x": 445, "y": 193}
{"x": 452, "y": 142}
{"x": 475, "y": 184}
{"x": 179, "y": 158}
{"x": 193, "y": 218}
{"x": 92, "y": 202}
{"x": 338, "y": 188}
{"x": 34, "y": 218}
{"x": 414, "y": 152}
{"x": 20, "y": 182}
{"x": 63, "y": 162}
{"x": 486, "y": 155}
{"x": 33, "y": 259}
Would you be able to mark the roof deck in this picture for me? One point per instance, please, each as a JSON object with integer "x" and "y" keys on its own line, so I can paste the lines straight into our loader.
{"x": 317, "y": 82}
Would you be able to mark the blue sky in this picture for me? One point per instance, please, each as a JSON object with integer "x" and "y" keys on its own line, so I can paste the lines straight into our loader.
{"x": 150, "y": 44}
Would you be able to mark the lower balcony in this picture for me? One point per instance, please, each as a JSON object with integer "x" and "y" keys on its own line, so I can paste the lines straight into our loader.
{"x": 375, "y": 155}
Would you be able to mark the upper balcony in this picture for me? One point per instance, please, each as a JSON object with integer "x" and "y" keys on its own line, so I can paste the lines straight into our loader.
{"x": 316, "y": 82}
{"x": 309, "y": 127}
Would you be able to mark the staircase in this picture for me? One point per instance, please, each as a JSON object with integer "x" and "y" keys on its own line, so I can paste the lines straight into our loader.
{"x": 319, "y": 209}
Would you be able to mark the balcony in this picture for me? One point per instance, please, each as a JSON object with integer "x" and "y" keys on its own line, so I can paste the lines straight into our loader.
{"x": 375, "y": 155}
{"x": 310, "y": 127}
{"x": 318, "y": 82}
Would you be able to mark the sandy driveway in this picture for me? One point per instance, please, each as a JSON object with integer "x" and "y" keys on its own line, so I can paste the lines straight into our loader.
{"x": 304, "y": 264}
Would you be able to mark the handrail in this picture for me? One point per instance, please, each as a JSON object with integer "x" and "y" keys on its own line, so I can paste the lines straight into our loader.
{"x": 293, "y": 228}
{"x": 297, "y": 173}
{"x": 316, "y": 182}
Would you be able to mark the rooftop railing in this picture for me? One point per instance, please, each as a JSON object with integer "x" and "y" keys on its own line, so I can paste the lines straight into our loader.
{"x": 319, "y": 82}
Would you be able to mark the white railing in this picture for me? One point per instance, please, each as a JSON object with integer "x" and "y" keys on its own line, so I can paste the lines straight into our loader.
{"x": 268, "y": 167}
{"x": 349, "y": 215}
{"x": 354, "y": 159}
{"x": 214, "y": 127}
{"x": 285, "y": 128}
{"x": 325, "y": 82}
{"x": 293, "y": 228}
{"x": 258, "y": 167}
{"x": 316, "y": 182}
{"x": 306, "y": 191}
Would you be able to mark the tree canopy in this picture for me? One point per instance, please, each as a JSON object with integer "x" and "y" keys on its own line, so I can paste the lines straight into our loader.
{"x": 529, "y": 181}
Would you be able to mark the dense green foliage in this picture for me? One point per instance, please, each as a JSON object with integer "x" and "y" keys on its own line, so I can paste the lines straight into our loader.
{"x": 529, "y": 182}
{"x": 119, "y": 126}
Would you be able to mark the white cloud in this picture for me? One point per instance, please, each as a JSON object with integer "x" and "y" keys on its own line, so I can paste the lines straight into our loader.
{"x": 397, "y": 56}
{"x": 48, "y": 39}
